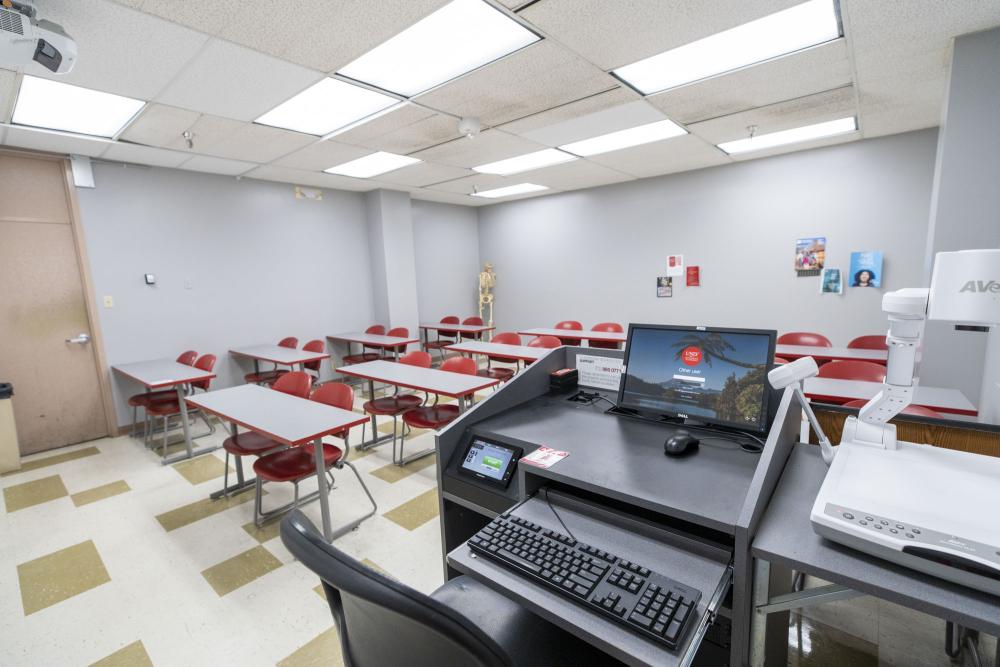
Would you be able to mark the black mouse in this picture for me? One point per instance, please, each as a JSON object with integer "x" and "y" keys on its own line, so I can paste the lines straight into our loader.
{"x": 680, "y": 443}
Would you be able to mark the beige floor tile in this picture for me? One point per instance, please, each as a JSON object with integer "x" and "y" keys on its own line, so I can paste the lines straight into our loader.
{"x": 323, "y": 651}
{"x": 60, "y": 575}
{"x": 413, "y": 433}
{"x": 35, "y": 464}
{"x": 28, "y": 494}
{"x": 813, "y": 644}
{"x": 392, "y": 473}
{"x": 240, "y": 570}
{"x": 100, "y": 493}
{"x": 200, "y": 509}
{"x": 202, "y": 469}
{"x": 415, "y": 513}
{"x": 267, "y": 532}
{"x": 133, "y": 655}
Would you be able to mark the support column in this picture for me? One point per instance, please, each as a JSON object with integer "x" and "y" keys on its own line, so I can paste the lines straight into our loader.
{"x": 394, "y": 273}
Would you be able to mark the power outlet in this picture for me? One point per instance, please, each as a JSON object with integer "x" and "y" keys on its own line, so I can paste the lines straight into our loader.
{"x": 109, "y": 302}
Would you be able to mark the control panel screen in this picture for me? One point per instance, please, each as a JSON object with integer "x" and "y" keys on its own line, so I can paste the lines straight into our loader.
{"x": 490, "y": 461}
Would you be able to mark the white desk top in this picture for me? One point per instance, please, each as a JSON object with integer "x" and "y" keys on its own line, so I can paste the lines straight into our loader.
{"x": 162, "y": 373}
{"x": 277, "y": 354}
{"x": 413, "y": 377}
{"x": 500, "y": 350}
{"x": 936, "y": 398}
{"x": 288, "y": 419}
{"x": 832, "y": 353}
{"x": 588, "y": 334}
{"x": 463, "y": 328}
{"x": 373, "y": 340}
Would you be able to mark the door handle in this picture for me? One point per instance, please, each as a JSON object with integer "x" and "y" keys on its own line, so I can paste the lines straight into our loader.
{"x": 80, "y": 339}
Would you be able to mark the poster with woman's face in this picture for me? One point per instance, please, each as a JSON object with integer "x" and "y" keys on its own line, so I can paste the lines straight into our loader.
{"x": 866, "y": 269}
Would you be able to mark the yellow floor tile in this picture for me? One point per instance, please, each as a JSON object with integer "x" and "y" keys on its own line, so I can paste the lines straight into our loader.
{"x": 133, "y": 655}
{"x": 386, "y": 428}
{"x": 100, "y": 493}
{"x": 200, "y": 509}
{"x": 28, "y": 494}
{"x": 60, "y": 575}
{"x": 392, "y": 473}
{"x": 415, "y": 513}
{"x": 53, "y": 460}
{"x": 202, "y": 469}
{"x": 240, "y": 570}
{"x": 323, "y": 651}
{"x": 268, "y": 531}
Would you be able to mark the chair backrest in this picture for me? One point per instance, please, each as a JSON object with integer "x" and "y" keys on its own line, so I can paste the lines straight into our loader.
{"x": 868, "y": 343}
{"x": 291, "y": 342}
{"x": 205, "y": 362}
{"x": 377, "y": 329}
{"x": 778, "y": 361}
{"x": 570, "y": 325}
{"x": 475, "y": 320}
{"x": 545, "y": 341}
{"x": 187, "y": 358}
{"x": 607, "y": 344}
{"x": 915, "y": 410}
{"x": 337, "y": 394}
{"x": 398, "y": 332}
{"x": 804, "y": 338}
{"x": 296, "y": 383}
{"x": 381, "y": 621}
{"x": 460, "y": 365}
{"x": 448, "y": 333}
{"x": 507, "y": 338}
{"x": 314, "y": 346}
{"x": 416, "y": 358}
{"x": 853, "y": 370}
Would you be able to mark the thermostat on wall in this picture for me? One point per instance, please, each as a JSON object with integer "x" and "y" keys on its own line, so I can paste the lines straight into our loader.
{"x": 150, "y": 279}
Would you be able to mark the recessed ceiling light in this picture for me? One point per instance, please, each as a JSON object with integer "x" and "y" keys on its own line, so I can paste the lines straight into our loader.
{"x": 779, "y": 34}
{"x": 327, "y": 106}
{"x": 519, "y": 189}
{"x": 60, "y": 106}
{"x": 793, "y": 136}
{"x": 526, "y": 162}
{"x": 633, "y": 136}
{"x": 372, "y": 165}
{"x": 458, "y": 38}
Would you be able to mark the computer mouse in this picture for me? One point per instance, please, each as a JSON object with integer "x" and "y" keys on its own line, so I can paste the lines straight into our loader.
{"x": 680, "y": 443}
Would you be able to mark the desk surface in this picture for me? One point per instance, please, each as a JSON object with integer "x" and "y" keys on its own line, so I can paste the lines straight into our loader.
{"x": 829, "y": 353}
{"x": 522, "y": 352}
{"x": 277, "y": 354}
{"x": 424, "y": 379}
{"x": 941, "y": 399}
{"x": 162, "y": 373}
{"x": 612, "y": 336}
{"x": 288, "y": 419}
{"x": 462, "y": 328}
{"x": 786, "y": 536}
{"x": 373, "y": 340}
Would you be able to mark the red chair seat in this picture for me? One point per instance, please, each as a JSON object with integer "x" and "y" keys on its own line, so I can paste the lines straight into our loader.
{"x": 361, "y": 358}
{"x": 431, "y": 416}
{"x": 502, "y": 374}
{"x": 438, "y": 344}
{"x": 142, "y": 400}
{"x": 249, "y": 444}
{"x": 263, "y": 376}
{"x": 290, "y": 465}
{"x": 392, "y": 405}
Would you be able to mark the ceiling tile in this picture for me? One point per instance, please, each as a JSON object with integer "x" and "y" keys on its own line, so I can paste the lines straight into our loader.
{"x": 233, "y": 81}
{"x": 121, "y": 51}
{"x": 322, "y": 155}
{"x": 536, "y": 78}
{"x": 490, "y": 146}
{"x": 206, "y": 17}
{"x": 55, "y": 142}
{"x": 425, "y": 173}
{"x": 311, "y": 178}
{"x": 480, "y": 182}
{"x": 612, "y": 34}
{"x": 814, "y": 70}
{"x": 663, "y": 157}
{"x": 159, "y": 125}
{"x": 236, "y": 140}
{"x": 155, "y": 157}
{"x": 906, "y": 97}
{"x": 574, "y": 175}
{"x": 8, "y": 93}
{"x": 404, "y": 138}
{"x": 404, "y": 116}
{"x": 595, "y": 124}
{"x": 587, "y": 105}
{"x": 216, "y": 165}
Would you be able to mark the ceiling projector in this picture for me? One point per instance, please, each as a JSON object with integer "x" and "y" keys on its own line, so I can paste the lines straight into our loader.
{"x": 25, "y": 39}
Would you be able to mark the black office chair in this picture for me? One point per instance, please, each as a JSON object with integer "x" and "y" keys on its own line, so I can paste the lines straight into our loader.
{"x": 383, "y": 623}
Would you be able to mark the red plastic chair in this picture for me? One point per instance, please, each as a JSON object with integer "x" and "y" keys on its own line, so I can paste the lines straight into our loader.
{"x": 397, "y": 404}
{"x": 437, "y": 416}
{"x": 472, "y": 321}
{"x": 267, "y": 377}
{"x": 868, "y": 343}
{"x": 314, "y": 346}
{"x": 398, "y": 332}
{"x": 170, "y": 406}
{"x": 444, "y": 337}
{"x": 804, "y": 338}
{"x": 778, "y": 361}
{"x": 853, "y": 370}
{"x": 376, "y": 329}
{"x": 550, "y": 342}
{"x": 915, "y": 410}
{"x": 570, "y": 325}
{"x": 137, "y": 401}
{"x": 606, "y": 344}
{"x": 502, "y": 374}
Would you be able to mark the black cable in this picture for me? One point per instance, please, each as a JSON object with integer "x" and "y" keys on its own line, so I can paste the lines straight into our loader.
{"x": 551, "y": 507}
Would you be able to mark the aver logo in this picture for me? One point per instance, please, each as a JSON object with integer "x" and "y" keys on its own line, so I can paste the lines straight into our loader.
{"x": 991, "y": 286}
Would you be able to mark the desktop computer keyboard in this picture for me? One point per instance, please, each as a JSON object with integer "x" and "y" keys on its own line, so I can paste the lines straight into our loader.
{"x": 646, "y": 602}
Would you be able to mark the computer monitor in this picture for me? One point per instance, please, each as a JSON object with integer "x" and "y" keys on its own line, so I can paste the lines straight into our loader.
{"x": 705, "y": 374}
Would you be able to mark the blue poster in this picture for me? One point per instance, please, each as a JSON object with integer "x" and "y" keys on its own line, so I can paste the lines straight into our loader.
{"x": 866, "y": 269}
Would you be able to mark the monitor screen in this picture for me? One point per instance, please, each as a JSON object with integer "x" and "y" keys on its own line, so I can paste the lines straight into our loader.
{"x": 715, "y": 376}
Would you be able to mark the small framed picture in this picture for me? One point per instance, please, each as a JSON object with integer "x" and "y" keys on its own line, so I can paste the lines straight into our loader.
{"x": 664, "y": 286}
{"x": 831, "y": 282}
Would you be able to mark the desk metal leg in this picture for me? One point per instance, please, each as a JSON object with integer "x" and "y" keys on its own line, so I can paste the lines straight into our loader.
{"x": 375, "y": 440}
{"x": 324, "y": 492}
{"x": 187, "y": 432}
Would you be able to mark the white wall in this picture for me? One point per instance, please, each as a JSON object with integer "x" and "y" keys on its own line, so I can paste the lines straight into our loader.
{"x": 594, "y": 255}
{"x": 261, "y": 264}
{"x": 446, "y": 246}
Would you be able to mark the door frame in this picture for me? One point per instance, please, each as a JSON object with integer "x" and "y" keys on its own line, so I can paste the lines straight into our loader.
{"x": 89, "y": 297}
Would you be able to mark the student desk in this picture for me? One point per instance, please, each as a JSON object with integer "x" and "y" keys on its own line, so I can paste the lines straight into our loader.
{"x": 936, "y": 398}
{"x": 373, "y": 340}
{"x": 792, "y": 352}
{"x": 459, "y": 328}
{"x": 286, "y": 419}
{"x": 586, "y": 334}
{"x": 163, "y": 373}
{"x": 277, "y": 355}
{"x": 518, "y": 352}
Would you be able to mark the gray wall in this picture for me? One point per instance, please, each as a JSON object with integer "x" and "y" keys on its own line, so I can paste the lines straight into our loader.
{"x": 261, "y": 264}
{"x": 446, "y": 248}
{"x": 593, "y": 255}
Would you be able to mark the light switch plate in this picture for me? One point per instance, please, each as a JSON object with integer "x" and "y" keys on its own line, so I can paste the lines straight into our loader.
{"x": 150, "y": 279}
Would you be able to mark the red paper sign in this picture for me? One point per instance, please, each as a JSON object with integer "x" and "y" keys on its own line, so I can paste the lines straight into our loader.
{"x": 693, "y": 276}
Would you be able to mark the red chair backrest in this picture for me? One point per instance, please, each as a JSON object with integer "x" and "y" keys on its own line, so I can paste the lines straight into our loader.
{"x": 314, "y": 346}
{"x": 607, "y": 344}
{"x": 416, "y": 358}
{"x": 399, "y": 332}
{"x": 474, "y": 320}
{"x": 804, "y": 338}
{"x": 296, "y": 383}
{"x": 377, "y": 329}
{"x": 853, "y": 370}
{"x": 206, "y": 362}
{"x": 449, "y": 319}
{"x": 291, "y": 342}
{"x": 779, "y": 361}
{"x": 507, "y": 338}
{"x": 187, "y": 358}
{"x": 868, "y": 343}
{"x": 460, "y": 365}
{"x": 570, "y": 324}
{"x": 545, "y": 341}
{"x": 337, "y": 394}
{"x": 916, "y": 410}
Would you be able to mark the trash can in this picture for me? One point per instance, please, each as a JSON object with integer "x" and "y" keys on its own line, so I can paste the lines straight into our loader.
{"x": 10, "y": 455}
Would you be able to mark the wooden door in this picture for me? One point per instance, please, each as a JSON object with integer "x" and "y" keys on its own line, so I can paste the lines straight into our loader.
{"x": 58, "y": 397}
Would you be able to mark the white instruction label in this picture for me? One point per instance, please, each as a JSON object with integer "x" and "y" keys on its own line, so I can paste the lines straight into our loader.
{"x": 599, "y": 372}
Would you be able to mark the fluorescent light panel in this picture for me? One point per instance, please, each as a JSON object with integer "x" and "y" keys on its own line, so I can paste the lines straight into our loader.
{"x": 372, "y": 165}
{"x": 327, "y": 106}
{"x": 458, "y": 38}
{"x": 779, "y": 34}
{"x": 526, "y": 162}
{"x": 519, "y": 189}
{"x": 60, "y": 106}
{"x": 793, "y": 136}
{"x": 633, "y": 136}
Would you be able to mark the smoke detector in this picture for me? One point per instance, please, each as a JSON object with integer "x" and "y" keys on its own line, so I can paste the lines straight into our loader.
{"x": 470, "y": 127}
